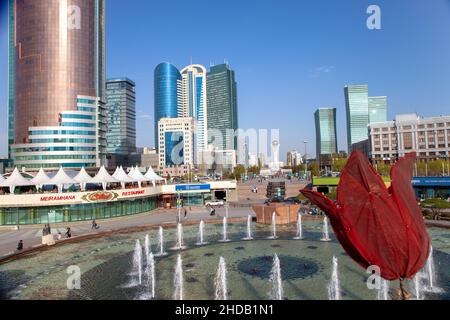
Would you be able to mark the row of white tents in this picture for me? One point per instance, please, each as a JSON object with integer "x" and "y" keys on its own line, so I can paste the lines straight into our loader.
{"x": 82, "y": 178}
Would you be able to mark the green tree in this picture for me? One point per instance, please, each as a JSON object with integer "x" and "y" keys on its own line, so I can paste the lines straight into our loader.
{"x": 383, "y": 169}
{"x": 314, "y": 168}
{"x": 436, "y": 207}
{"x": 339, "y": 164}
{"x": 239, "y": 171}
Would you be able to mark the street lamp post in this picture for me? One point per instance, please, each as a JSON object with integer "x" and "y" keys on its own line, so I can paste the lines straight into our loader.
{"x": 306, "y": 158}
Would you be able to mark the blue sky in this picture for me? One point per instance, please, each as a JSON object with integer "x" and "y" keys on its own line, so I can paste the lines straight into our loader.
{"x": 290, "y": 56}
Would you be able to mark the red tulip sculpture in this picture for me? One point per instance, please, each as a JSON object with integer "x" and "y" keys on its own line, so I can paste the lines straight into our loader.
{"x": 378, "y": 226}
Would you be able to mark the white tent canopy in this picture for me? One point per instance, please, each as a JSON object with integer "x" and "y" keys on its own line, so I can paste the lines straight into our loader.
{"x": 41, "y": 178}
{"x": 103, "y": 177}
{"x": 153, "y": 176}
{"x": 83, "y": 178}
{"x": 16, "y": 180}
{"x": 121, "y": 175}
{"x": 60, "y": 179}
{"x": 138, "y": 176}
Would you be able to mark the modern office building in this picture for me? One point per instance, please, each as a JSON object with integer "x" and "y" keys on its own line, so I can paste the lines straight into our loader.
{"x": 357, "y": 110}
{"x": 121, "y": 116}
{"x": 167, "y": 93}
{"x": 326, "y": 133}
{"x": 377, "y": 109}
{"x": 429, "y": 138}
{"x": 176, "y": 141}
{"x": 222, "y": 106}
{"x": 57, "y": 79}
{"x": 293, "y": 158}
{"x": 194, "y": 103}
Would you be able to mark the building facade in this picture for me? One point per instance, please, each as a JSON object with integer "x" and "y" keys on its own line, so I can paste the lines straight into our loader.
{"x": 167, "y": 94}
{"x": 357, "y": 111}
{"x": 377, "y": 109}
{"x": 294, "y": 158}
{"x": 222, "y": 106}
{"x": 121, "y": 116}
{"x": 194, "y": 103}
{"x": 57, "y": 83}
{"x": 326, "y": 133}
{"x": 176, "y": 141}
{"x": 429, "y": 138}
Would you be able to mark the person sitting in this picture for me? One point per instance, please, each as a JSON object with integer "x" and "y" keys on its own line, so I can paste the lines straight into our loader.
{"x": 94, "y": 225}
{"x": 20, "y": 245}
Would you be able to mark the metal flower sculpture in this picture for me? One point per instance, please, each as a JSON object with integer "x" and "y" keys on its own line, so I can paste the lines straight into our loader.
{"x": 377, "y": 225}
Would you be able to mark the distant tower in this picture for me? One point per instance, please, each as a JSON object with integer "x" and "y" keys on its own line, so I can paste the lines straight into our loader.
{"x": 275, "y": 155}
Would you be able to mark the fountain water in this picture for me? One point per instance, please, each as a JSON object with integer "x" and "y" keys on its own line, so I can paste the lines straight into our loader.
{"x": 383, "y": 292}
{"x": 161, "y": 251}
{"x": 429, "y": 273}
{"x": 224, "y": 232}
{"x": 326, "y": 234}
{"x": 220, "y": 282}
{"x": 201, "y": 231}
{"x": 179, "y": 245}
{"x": 299, "y": 234}
{"x": 274, "y": 226}
{"x": 150, "y": 272}
{"x": 137, "y": 261}
{"x": 334, "y": 291}
{"x": 275, "y": 279}
{"x": 178, "y": 280}
{"x": 147, "y": 247}
{"x": 417, "y": 285}
{"x": 249, "y": 228}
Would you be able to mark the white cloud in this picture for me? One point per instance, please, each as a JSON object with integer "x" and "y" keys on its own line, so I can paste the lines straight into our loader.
{"x": 319, "y": 71}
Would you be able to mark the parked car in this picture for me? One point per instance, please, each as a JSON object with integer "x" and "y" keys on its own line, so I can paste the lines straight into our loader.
{"x": 292, "y": 200}
{"x": 218, "y": 203}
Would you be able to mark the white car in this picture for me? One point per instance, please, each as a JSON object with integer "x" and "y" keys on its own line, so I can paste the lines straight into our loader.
{"x": 214, "y": 203}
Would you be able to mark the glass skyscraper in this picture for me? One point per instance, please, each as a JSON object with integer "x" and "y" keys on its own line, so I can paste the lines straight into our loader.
{"x": 54, "y": 65}
{"x": 357, "y": 109}
{"x": 222, "y": 105}
{"x": 167, "y": 91}
{"x": 377, "y": 109}
{"x": 326, "y": 133}
{"x": 121, "y": 116}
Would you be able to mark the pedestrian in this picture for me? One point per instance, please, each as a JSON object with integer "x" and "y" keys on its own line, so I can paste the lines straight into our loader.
{"x": 44, "y": 231}
{"x": 20, "y": 245}
{"x": 68, "y": 233}
{"x": 59, "y": 236}
{"x": 49, "y": 230}
{"x": 185, "y": 213}
{"x": 94, "y": 225}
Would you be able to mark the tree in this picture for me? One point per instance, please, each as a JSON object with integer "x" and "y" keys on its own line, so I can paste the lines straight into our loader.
{"x": 339, "y": 164}
{"x": 254, "y": 170}
{"x": 314, "y": 168}
{"x": 436, "y": 207}
{"x": 383, "y": 169}
{"x": 239, "y": 170}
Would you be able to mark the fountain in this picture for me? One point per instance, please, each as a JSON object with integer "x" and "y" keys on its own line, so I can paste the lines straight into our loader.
{"x": 201, "y": 230}
{"x": 161, "y": 251}
{"x": 179, "y": 245}
{"x": 334, "y": 291}
{"x": 178, "y": 280}
{"x": 383, "y": 292}
{"x": 326, "y": 235}
{"x": 275, "y": 280}
{"x": 150, "y": 272}
{"x": 417, "y": 286}
{"x": 429, "y": 274}
{"x": 224, "y": 232}
{"x": 274, "y": 227}
{"x": 249, "y": 228}
{"x": 299, "y": 234}
{"x": 147, "y": 247}
{"x": 137, "y": 261}
{"x": 220, "y": 282}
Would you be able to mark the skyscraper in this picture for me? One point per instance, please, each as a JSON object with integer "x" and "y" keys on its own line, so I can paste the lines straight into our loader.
{"x": 56, "y": 77}
{"x": 121, "y": 116}
{"x": 326, "y": 136}
{"x": 194, "y": 104}
{"x": 377, "y": 109}
{"x": 357, "y": 109}
{"x": 167, "y": 91}
{"x": 222, "y": 105}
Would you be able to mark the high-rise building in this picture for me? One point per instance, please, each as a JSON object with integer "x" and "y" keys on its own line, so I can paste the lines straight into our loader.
{"x": 194, "y": 103}
{"x": 326, "y": 133}
{"x": 167, "y": 93}
{"x": 222, "y": 106}
{"x": 357, "y": 109}
{"x": 176, "y": 141}
{"x": 56, "y": 77}
{"x": 121, "y": 116}
{"x": 293, "y": 158}
{"x": 377, "y": 109}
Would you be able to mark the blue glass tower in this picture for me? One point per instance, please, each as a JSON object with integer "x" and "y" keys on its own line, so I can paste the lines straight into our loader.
{"x": 167, "y": 92}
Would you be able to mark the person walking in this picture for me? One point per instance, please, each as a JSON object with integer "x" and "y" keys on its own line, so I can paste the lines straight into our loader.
{"x": 68, "y": 233}
{"x": 20, "y": 245}
{"x": 185, "y": 213}
{"x": 94, "y": 225}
